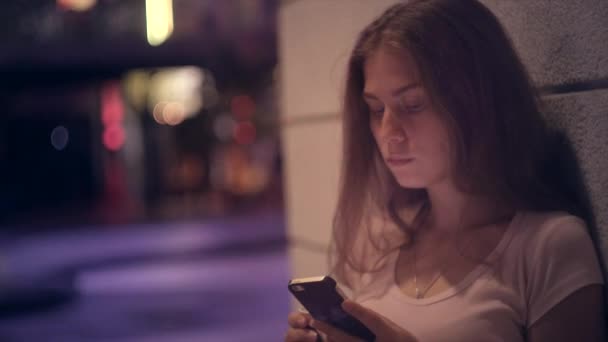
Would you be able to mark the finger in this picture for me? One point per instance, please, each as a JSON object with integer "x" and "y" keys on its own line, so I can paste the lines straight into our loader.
{"x": 333, "y": 333}
{"x": 301, "y": 335}
{"x": 299, "y": 320}
{"x": 369, "y": 318}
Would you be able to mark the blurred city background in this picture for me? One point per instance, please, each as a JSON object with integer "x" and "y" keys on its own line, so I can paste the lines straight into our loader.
{"x": 141, "y": 193}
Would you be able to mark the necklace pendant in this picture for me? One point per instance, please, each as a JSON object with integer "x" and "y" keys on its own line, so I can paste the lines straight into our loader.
{"x": 418, "y": 296}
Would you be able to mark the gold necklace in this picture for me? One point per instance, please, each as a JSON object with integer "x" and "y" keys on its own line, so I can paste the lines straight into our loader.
{"x": 420, "y": 295}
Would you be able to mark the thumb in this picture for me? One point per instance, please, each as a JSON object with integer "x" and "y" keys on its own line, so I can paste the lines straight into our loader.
{"x": 374, "y": 321}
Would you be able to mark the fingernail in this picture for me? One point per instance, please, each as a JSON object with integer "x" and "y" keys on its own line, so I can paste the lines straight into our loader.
{"x": 313, "y": 323}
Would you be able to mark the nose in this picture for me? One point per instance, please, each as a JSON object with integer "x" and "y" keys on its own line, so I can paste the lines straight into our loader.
{"x": 392, "y": 130}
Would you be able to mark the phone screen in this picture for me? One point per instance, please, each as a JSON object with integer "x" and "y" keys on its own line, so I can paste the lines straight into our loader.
{"x": 322, "y": 299}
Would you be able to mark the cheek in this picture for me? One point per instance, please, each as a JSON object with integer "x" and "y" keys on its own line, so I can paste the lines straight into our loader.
{"x": 438, "y": 148}
{"x": 375, "y": 133}
{"x": 443, "y": 148}
{"x": 443, "y": 153}
{"x": 444, "y": 156}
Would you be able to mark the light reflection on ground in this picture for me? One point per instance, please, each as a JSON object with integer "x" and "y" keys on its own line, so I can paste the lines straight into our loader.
{"x": 206, "y": 294}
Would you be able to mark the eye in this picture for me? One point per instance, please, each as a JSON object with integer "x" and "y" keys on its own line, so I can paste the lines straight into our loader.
{"x": 376, "y": 112}
{"x": 412, "y": 107}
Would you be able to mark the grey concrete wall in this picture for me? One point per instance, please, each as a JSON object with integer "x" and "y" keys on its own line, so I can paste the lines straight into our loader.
{"x": 560, "y": 41}
{"x": 564, "y": 44}
{"x": 583, "y": 117}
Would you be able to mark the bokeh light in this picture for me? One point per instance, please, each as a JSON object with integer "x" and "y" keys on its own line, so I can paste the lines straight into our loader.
{"x": 174, "y": 113}
{"x": 114, "y": 137}
{"x": 178, "y": 91}
{"x": 157, "y": 112}
{"x": 243, "y": 107}
{"x": 60, "y": 138}
{"x": 136, "y": 88}
{"x": 245, "y": 133}
{"x": 112, "y": 108}
{"x": 159, "y": 21}
{"x": 77, "y": 5}
{"x": 112, "y": 116}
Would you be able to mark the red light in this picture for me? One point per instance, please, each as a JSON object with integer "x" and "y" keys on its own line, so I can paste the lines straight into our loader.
{"x": 112, "y": 107}
{"x": 114, "y": 137}
{"x": 245, "y": 133}
{"x": 243, "y": 107}
{"x": 112, "y": 115}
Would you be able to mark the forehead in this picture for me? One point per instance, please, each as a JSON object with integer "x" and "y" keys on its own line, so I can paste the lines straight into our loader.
{"x": 389, "y": 68}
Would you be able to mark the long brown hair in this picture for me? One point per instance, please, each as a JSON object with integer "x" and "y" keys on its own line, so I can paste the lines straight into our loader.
{"x": 485, "y": 96}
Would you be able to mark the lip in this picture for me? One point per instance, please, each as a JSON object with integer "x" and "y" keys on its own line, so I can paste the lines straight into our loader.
{"x": 395, "y": 161}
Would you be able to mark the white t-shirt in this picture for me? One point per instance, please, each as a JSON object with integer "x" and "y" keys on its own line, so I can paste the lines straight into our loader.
{"x": 544, "y": 257}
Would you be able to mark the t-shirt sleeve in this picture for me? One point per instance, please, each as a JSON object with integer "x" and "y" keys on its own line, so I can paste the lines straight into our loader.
{"x": 561, "y": 260}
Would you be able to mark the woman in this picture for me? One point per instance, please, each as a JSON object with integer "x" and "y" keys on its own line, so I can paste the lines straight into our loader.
{"x": 444, "y": 229}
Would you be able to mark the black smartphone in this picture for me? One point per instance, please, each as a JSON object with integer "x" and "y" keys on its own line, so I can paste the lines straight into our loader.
{"x": 323, "y": 300}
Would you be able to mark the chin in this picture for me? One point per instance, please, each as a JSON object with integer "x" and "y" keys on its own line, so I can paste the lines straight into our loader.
{"x": 412, "y": 183}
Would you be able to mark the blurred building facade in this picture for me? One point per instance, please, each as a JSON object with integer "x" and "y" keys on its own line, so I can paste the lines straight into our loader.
{"x": 115, "y": 111}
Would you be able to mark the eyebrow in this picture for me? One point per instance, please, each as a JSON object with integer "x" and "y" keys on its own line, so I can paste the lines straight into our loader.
{"x": 396, "y": 92}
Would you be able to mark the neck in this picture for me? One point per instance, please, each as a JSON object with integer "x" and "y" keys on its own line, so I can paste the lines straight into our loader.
{"x": 454, "y": 211}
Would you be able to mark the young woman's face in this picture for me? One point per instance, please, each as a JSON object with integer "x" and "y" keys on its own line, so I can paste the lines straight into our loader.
{"x": 410, "y": 135}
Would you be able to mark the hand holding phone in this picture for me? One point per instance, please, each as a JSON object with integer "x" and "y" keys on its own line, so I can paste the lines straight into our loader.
{"x": 322, "y": 298}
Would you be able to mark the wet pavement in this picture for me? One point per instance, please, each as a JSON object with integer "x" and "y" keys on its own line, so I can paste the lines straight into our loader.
{"x": 222, "y": 280}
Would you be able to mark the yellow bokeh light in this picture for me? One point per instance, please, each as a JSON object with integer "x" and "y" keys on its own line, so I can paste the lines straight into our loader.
{"x": 157, "y": 113}
{"x": 77, "y": 5}
{"x": 183, "y": 85}
{"x": 136, "y": 88}
{"x": 173, "y": 113}
{"x": 159, "y": 21}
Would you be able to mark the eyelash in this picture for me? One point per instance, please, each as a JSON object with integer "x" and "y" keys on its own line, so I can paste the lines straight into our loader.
{"x": 405, "y": 110}
{"x": 414, "y": 109}
{"x": 376, "y": 113}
